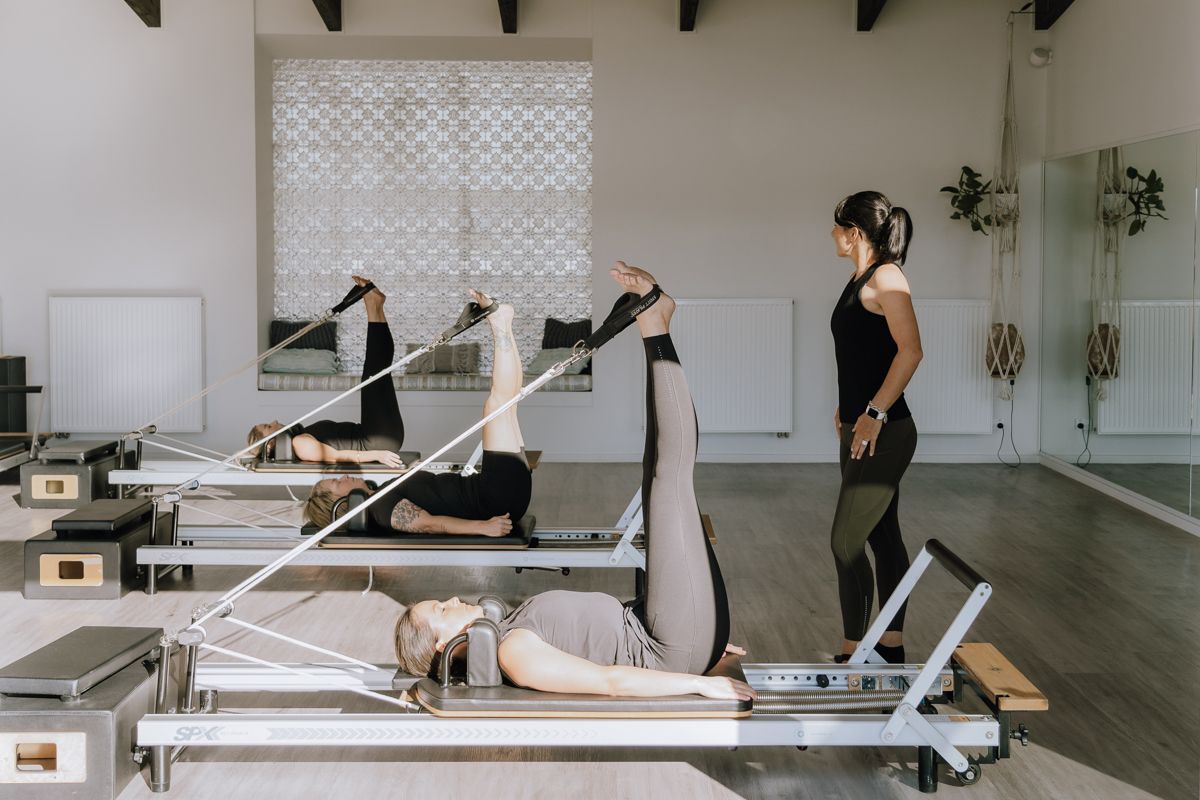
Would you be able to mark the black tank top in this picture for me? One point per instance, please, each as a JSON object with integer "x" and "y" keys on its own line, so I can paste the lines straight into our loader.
{"x": 338, "y": 435}
{"x": 864, "y": 349}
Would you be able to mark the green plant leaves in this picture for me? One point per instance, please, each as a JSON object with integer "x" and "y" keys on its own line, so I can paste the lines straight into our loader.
{"x": 968, "y": 197}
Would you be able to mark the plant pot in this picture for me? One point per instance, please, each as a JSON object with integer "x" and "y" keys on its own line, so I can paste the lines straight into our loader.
{"x": 1113, "y": 207}
{"x": 1006, "y": 208}
{"x": 1104, "y": 351}
{"x": 1005, "y": 352}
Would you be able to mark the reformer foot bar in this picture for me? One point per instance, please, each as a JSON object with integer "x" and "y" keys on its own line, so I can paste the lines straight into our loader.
{"x": 856, "y": 704}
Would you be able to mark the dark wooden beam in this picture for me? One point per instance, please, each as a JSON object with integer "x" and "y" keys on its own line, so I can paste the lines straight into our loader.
{"x": 868, "y": 12}
{"x": 331, "y": 13}
{"x": 687, "y": 14}
{"x": 508, "y": 15}
{"x": 149, "y": 10}
{"x": 1047, "y": 12}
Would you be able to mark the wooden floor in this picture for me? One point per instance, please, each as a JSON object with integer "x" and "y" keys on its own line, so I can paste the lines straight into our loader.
{"x": 1174, "y": 485}
{"x": 1097, "y": 603}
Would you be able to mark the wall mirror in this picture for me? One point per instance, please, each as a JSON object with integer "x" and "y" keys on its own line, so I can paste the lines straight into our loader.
{"x": 1119, "y": 316}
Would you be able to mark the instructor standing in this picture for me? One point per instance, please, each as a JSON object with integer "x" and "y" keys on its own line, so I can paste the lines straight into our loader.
{"x": 878, "y": 348}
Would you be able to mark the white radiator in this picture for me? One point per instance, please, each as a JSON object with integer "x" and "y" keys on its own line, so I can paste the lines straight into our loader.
{"x": 118, "y": 362}
{"x": 1152, "y": 390}
{"x": 738, "y": 357}
{"x": 952, "y": 391}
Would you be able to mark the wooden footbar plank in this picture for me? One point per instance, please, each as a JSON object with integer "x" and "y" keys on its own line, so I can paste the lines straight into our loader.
{"x": 1002, "y": 682}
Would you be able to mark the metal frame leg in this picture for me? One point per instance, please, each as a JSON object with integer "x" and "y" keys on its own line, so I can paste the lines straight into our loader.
{"x": 160, "y": 768}
{"x": 927, "y": 769}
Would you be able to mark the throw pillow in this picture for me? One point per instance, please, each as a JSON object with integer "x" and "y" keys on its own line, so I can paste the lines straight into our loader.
{"x": 323, "y": 337}
{"x": 459, "y": 359}
{"x": 546, "y": 359}
{"x": 303, "y": 360}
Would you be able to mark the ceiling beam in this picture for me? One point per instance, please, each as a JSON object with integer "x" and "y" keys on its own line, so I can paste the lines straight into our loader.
{"x": 1047, "y": 12}
{"x": 508, "y": 15}
{"x": 687, "y": 14}
{"x": 149, "y": 10}
{"x": 331, "y": 13}
{"x": 868, "y": 12}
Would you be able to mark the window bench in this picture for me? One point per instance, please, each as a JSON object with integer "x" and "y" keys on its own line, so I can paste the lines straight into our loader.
{"x": 425, "y": 382}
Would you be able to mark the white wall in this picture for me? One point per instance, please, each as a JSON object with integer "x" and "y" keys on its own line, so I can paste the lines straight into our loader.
{"x": 1122, "y": 72}
{"x": 127, "y": 166}
{"x": 129, "y": 163}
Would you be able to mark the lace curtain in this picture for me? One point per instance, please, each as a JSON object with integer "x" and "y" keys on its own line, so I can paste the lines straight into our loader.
{"x": 431, "y": 177}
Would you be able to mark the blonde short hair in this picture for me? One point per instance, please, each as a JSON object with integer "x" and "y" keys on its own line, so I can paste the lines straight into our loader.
{"x": 256, "y": 433}
{"x": 416, "y": 644}
{"x": 318, "y": 509}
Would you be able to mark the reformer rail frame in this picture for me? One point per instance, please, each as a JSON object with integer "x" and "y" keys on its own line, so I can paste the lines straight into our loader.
{"x": 905, "y": 726}
{"x": 554, "y": 548}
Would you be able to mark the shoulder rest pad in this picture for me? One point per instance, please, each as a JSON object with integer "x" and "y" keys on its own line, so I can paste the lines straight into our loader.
{"x": 74, "y": 663}
{"x": 108, "y": 515}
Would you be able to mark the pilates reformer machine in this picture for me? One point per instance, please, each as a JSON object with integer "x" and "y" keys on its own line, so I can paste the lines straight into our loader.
{"x": 250, "y": 544}
{"x": 17, "y": 448}
{"x": 99, "y": 704}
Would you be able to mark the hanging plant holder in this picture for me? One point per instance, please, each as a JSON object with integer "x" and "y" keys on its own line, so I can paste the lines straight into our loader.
{"x": 1104, "y": 351}
{"x": 1005, "y": 353}
{"x": 1113, "y": 207}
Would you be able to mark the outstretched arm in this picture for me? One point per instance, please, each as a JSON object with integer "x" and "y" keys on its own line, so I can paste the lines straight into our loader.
{"x": 409, "y": 517}
{"x": 309, "y": 448}
{"x": 530, "y": 662}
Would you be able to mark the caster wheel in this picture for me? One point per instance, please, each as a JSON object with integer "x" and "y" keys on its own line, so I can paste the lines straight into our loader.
{"x": 969, "y": 776}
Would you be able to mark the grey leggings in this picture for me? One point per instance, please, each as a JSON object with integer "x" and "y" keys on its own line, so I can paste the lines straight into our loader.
{"x": 686, "y": 611}
{"x": 868, "y": 513}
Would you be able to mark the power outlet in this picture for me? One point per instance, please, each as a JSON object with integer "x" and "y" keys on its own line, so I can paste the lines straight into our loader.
{"x": 997, "y": 424}
{"x": 1080, "y": 424}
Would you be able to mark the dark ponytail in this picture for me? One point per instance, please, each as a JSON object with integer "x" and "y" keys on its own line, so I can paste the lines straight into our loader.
{"x": 888, "y": 228}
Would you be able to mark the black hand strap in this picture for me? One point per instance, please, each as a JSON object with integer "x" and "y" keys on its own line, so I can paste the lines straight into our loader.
{"x": 352, "y": 297}
{"x": 624, "y": 315}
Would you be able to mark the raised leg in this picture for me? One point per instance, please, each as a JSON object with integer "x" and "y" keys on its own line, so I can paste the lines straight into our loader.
{"x": 503, "y": 434}
{"x": 687, "y": 611}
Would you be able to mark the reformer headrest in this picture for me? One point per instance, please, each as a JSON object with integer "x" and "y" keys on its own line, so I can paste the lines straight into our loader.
{"x": 345, "y": 505}
{"x": 482, "y": 638}
{"x": 283, "y": 447}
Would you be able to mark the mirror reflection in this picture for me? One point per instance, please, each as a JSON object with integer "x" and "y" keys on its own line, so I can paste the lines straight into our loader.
{"x": 1119, "y": 315}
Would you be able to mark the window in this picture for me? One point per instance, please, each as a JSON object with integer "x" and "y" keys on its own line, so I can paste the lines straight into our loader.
{"x": 432, "y": 177}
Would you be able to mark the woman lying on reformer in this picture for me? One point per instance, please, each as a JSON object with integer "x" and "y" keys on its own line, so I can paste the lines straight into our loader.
{"x": 589, "y": 642}
{"x": 380, "y": 433}
{"x": 486, "y": 503}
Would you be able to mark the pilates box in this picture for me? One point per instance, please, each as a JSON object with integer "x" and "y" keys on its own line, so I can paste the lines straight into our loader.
{"x": 91, "y": 553}
{"x": 68, "y": 474}
{"x": 68, "y": 713}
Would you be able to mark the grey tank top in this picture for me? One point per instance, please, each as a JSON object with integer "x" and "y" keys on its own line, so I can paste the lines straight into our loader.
{"x": 590, "y": 625}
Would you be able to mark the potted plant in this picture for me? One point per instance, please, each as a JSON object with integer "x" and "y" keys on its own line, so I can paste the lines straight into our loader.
{"x": 967, "y": 198}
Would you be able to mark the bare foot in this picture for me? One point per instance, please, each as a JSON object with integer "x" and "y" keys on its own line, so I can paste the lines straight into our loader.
{"x": 481, "y": 299}
{"x": 655, "y": 320}
{"x": 373, "y": 301}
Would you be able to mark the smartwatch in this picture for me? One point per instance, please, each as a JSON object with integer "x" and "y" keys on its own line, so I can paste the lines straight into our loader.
{"x": 875, "y": 412}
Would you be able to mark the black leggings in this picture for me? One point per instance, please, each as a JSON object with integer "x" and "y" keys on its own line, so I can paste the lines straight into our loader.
{"x": 868, "y": 513}
{"x": 686, "y": 610}
{"x": 379, "y": 413}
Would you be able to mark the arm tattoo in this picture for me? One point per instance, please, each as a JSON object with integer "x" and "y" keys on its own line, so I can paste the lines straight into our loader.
{"x": 404, "y": 515}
